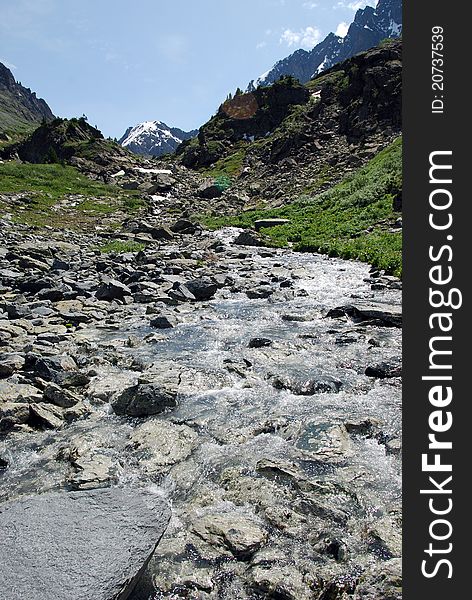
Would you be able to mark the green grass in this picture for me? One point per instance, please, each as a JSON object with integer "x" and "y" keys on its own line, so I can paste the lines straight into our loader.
{"x": 48, "y": 185}
{"x": 335, "y": 221}
{"x": 121, "y": 247}
{"x": 230, "y": 166}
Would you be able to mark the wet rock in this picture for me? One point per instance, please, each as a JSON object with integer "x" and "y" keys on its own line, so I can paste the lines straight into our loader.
{"x": 3, "y": 464}
{"x": 246, "y": 238}
{"x": 235, "y": 532}
{"x": 162, "y": 322}
{"x": 60, "y": 396}
{"x": 381, "y": 581}
{"x": 325, "y": 442}
{"x": 240, "y": 367}
{"x": 13, "y": 413}
{"x": 364, "y": 427}
{"x": 391, "y": 367}
{"x": 280, "y": 581}
{"x": 45, "y": 415}
{"x": 161, "y": 444}
{"x": 380, "y": 315}
{"x": 394, "y": 446}
{"x": 385, "y": 537}
{"x": 19, "y": 392}
{"x": 308, "y": 387}
{"x": 93, "y": 470}
{"x": 181, "y": 293}
{"x": 259, "y": 343}
{"x": 260, "y": 293}
{"x": 98, "y": 543}
{"x": 79, "y": 411}
{"x": 112, "y": 290}
{"x": 55, "y": 368}
{"x": 142, "y": 400}
{"x": 11, "y": 363}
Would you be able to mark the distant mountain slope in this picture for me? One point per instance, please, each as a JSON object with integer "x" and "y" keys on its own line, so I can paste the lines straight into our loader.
{"x": 154, "y": 138}
{"x": 20, "y": 108}
{"x": 289, "y": 139}
{"x": 370, "y": 26}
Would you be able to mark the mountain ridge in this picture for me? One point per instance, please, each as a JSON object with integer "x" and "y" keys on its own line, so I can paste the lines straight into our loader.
{"x": 369, "y": 27}
{"x": 20, "y": 108}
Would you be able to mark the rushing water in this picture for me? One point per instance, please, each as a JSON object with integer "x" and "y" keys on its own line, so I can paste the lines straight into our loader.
{"x": 241, "y": 420}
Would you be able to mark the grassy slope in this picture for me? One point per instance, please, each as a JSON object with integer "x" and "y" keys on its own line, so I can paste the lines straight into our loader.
{"x": 335, "y": 221}
{"x": 48, "y": 186}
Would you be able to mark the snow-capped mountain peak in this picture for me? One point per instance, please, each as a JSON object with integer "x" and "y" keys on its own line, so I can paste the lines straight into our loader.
{"x": 154, "y": 138}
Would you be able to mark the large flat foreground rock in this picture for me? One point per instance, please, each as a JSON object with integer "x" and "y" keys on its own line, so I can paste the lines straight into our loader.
{"x": 90, "y": 545}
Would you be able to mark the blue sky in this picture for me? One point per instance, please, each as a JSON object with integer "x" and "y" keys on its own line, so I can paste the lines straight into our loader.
{"x": 125, "y": 61}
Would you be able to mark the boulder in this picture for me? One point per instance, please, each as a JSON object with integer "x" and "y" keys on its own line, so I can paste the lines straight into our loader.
{"x": 47, "y": 416}
{"x": 162, "y": 322}
{"x": 90, "y": 545}
{"x": 60, "y": 396}
{"x": 161, "y": 444}
{"x": 391, "y": 367}
{"x": 92, "y": 470}
{"x": 376, "y": 314}
{"x": 383, "y": 580}
{"x": 10, "y": 363}
{"x": 235, "y": 532}
{"x": 13, "y": 413}
{"x": 202, "y": 289}
{"x": 142, "y": 400}
{"x": 323, "y": 384}
{"x": 54, "y": 368}
{"x": 209, "y": 190}
{"x": 259, "y": 343}
{"x": 185, "y": 226}
{"x": 246, "y": 238}
{"x": 112, "y": 290}
{"x": 193, "y": 290}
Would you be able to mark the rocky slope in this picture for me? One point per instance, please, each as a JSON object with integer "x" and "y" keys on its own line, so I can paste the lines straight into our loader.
{"x": 20, "y": 108}
{"x": 280, "y": 142}
{"x": 154, "y": 138}
{"x": 369, "y": 28}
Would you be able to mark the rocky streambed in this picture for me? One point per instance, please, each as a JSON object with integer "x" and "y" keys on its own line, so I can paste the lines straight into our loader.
{"x": 257, "y": 391}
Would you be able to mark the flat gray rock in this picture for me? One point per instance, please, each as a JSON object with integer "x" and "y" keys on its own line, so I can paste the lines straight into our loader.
{"x": 90, "y": 545}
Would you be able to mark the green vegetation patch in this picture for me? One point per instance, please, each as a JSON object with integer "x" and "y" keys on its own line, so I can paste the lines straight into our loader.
{"x": 60, "y": 196}
{"x": 351, "y": 220}
{"x": 230, "y": 166}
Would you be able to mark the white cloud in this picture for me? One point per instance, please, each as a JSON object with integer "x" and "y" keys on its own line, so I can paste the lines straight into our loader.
{"x": 310, "y": 5}
{"x": 261, "y": 45}
{"x": 341, "y": 29}
{"x": 8, "y": 64}
{"x": 356, "y": 4}
{"x": 305, "y": 38}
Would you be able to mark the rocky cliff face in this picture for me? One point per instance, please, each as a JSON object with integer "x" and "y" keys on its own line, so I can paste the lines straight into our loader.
{"x": 19, "y": 106}
{"x": 369, "y": 28}
{"x": 300, "y": 138}
{"x": 154, "y": 138}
